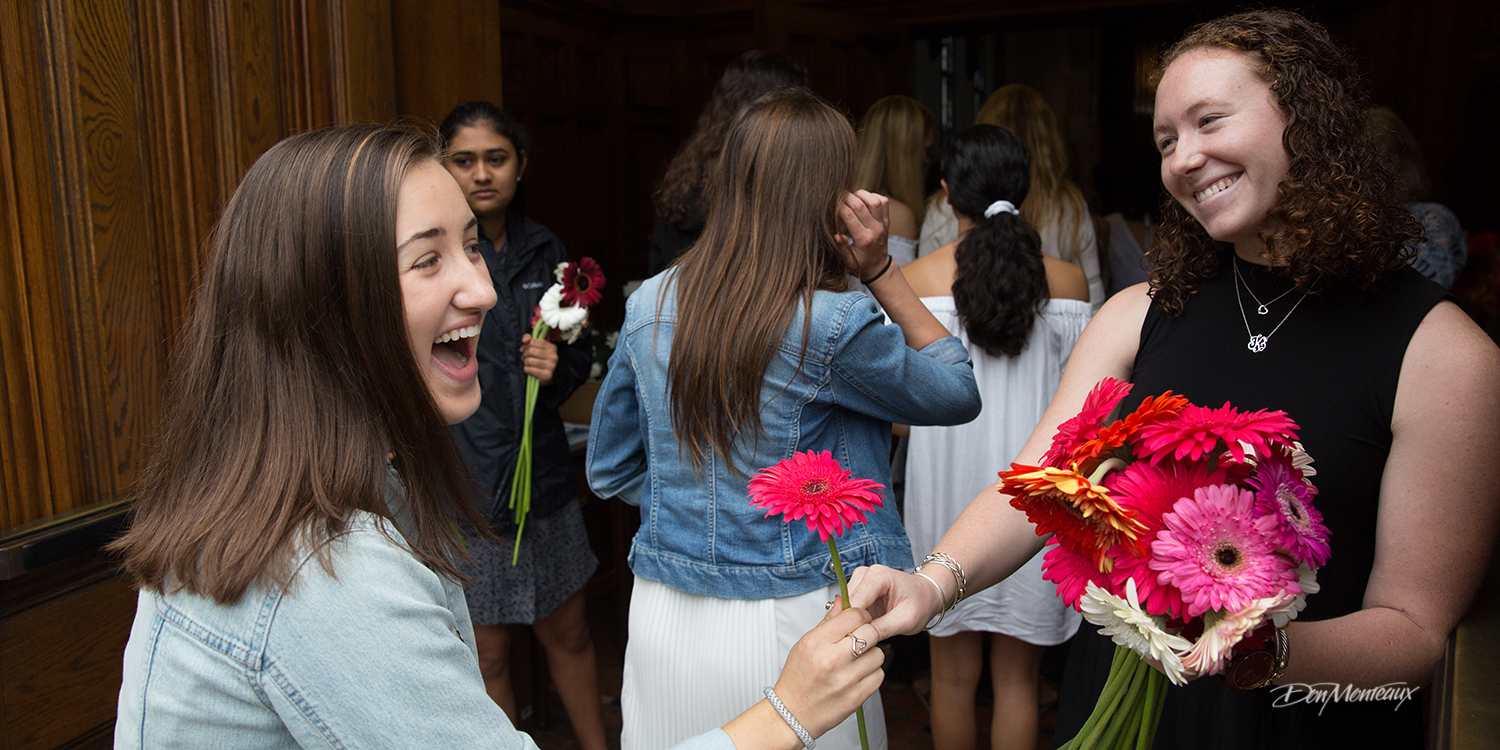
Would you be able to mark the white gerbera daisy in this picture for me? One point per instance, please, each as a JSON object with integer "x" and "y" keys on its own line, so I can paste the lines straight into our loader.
{"x": 1128, "y": 625}
{"x": 1307, "y": 578}
{"x": 559, "y": 317}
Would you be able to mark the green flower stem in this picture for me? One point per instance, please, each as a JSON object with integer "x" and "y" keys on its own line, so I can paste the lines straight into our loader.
{"x": 1130, "y": 704}
{"x": 838, "y": 570}
{"x": 1156, "y": 694}
{"x": 1104, "y": 707}
{"x": 520, "y": 483}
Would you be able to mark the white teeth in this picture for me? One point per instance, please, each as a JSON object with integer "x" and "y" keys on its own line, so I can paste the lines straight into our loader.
{"x": 456, "y": 334}
{"x": 1215, "y": 188}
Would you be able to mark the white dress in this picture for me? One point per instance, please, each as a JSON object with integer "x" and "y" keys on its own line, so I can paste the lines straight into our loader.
{"x": 946, "y": 467}
{"x": 940, "y": 227}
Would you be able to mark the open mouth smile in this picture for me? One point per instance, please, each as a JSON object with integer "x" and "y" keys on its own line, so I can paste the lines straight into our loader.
{"x": 1216, "y": 188}
{"x": 454, "y": 351}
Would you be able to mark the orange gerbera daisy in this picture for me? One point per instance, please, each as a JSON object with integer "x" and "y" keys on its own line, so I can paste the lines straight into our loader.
{"x": 1066, "y": 504}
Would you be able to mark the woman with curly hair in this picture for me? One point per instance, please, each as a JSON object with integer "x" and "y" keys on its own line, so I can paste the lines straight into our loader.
{"x": 1281, "y": 282}
{"x": 679, "y": 199}
{"x": 892, "y": 147}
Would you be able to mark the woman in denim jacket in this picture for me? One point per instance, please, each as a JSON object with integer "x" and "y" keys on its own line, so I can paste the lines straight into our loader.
{"x": 294, "y": 536}
{"x": 748, "y": 350}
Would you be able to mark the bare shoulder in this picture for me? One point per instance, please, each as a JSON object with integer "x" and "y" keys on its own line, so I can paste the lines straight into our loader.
{"x": 903, "y": 220}
{"x": 932, "y": 274}
{"x": 1065, "y": 280}
{"x": 1451, "y": 370}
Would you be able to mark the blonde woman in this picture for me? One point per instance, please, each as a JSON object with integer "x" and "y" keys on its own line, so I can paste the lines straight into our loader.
{"x": 1055, "y": 206}
{"x": 893, "y": 140}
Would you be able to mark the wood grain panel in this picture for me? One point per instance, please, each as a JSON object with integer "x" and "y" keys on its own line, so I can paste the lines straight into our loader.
{"x": 61, "y": 665}
{"x": 42, "y": 456}
{"x": 121, "y": 251}
{"x": 365, "y": 80}
{"x": 445, "y": 54}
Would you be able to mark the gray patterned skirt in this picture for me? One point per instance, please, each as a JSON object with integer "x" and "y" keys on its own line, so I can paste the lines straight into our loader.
{"x": 556, "y": 561}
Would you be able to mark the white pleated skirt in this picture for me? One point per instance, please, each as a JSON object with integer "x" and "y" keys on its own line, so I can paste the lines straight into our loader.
{"x": 693, "y": 663}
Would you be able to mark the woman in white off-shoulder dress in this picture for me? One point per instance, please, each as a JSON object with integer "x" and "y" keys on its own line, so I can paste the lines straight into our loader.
{"x": 1019, "y": 313}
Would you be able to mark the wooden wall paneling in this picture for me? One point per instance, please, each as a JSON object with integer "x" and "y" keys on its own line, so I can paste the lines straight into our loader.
{"x": 306, "y": 34}
{"x": 364, "y": 73}
{"x": 120, "y": 249}
{"x": 180, "y": 147}
{"x": 61, "y": 669}
{"x": 55, "y": 465}
{"x": 246, "y": 81}
{"x": 445, "y": 54}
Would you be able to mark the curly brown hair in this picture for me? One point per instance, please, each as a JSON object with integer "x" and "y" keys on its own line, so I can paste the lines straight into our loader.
{"x": 745, "y": 79}
{"x": 1338, "y": 216}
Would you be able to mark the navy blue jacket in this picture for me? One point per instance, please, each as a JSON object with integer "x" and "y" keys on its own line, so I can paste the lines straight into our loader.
{"x": 522, "y": 271}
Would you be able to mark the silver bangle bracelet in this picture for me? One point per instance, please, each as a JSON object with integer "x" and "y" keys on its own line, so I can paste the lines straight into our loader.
{"x": 791, "y": 721}
{"x": 960, "y": 580}
{"x": 943, "y": 607}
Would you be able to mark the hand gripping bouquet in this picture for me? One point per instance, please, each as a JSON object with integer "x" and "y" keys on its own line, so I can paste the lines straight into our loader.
{"x": 1180, "y": 531}
{"x": 560, "y": 317}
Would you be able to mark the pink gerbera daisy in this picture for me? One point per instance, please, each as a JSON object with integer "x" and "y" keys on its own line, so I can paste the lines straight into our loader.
{"x": 1219, "y": 554}
{"x": 1071, "y": 572}
{"x": 582, "y": 283}
{"x": 813, "y": 486}
{"x": 1150, "y": 490}
{"x": 1283, "y": 493}
{"x": 1073, "y": 433}
{"x": 1197, "y": 431}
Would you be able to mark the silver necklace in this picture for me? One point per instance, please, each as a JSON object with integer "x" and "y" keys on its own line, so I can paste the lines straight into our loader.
{"x": 1261, "y": 307}
{"x": 1258, "y": 342}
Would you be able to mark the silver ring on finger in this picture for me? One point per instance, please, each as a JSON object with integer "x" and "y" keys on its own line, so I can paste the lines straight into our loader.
{"x": 858, "y": 645}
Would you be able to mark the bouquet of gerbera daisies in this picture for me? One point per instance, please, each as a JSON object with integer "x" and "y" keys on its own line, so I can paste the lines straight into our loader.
{"x": 560, "y": 317}
{"x": 1179, "y": 530}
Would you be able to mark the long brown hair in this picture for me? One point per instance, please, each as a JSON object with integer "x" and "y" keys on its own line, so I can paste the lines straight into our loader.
{"x": 1022, "y": 110}
{"x": 769, "y": 241}
{"x": 1338, "y": 215}
{"x": 888, "y": 159}
{"x": 744, "y": 80}
{"x": 295, "y": 380}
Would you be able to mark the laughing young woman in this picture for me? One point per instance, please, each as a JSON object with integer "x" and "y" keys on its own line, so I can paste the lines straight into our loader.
{"x": 1281, "y": 283}
{"x": 294, "y": 538}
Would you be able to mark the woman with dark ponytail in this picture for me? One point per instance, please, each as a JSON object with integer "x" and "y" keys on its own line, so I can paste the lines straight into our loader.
{"x": 1019, "y": 313}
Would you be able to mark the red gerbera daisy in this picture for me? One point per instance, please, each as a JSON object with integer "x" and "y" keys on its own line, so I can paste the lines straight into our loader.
{"x": 1079, "y": 513}
{"x": 1156, "y": 598}
{"x": 1150, "y": 490}
{"x": 1073, "y": 433}
{"x": 1197, "y": 431}
{"x": 582, "y": 283}
{"x": 813, "y": 486}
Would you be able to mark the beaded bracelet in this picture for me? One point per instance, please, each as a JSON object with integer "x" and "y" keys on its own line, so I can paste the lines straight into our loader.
{"x": 791, "y": 721}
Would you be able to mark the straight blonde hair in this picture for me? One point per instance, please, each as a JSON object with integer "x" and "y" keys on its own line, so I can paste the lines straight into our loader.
{"x": 888, "y": 159}
{"x": 1022, "y": 110}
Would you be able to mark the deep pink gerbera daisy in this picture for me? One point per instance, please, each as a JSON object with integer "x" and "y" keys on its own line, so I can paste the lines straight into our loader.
{"x": 1285, "y": 495}
{"x": 1071, "y": 572}
{"x": 1150, "y": 490}
{"x": 1219, "y": 553}
{"x": 1156, "y": 598}
{"x": 1074, "y": 432}
{"x": 813, "y": 486}
{"x": 1197, "y": 431}
{"x": 582, "y": 283}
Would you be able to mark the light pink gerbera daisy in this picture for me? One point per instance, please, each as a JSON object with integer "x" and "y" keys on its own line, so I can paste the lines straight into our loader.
{"x": 813, "y": 486}
{"x": 1219, "y": 553}
{"x": 1197, "y": 431}
{"x": 1283, "y": 493}
{"x": 1072, "y": 572}
{"x": 1222, "y": 631}
{"x": 1073, "y": 433}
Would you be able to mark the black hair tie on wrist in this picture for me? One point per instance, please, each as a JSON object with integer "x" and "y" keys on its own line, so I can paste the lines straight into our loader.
{"x": 888, "y": 259}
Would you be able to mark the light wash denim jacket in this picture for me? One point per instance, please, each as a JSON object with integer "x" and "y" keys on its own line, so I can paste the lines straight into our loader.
{"x": 382, "y": 656}
{"x": 698, "y": 532}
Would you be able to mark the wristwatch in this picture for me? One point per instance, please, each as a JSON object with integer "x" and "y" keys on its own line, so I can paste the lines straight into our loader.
{"x": 1261, "y": 667}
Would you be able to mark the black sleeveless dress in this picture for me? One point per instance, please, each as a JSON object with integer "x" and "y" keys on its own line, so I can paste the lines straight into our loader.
{"x": 1332, "y": 365}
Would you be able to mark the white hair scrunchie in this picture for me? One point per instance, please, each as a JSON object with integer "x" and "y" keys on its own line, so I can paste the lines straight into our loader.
{"x": 999, "y": 206}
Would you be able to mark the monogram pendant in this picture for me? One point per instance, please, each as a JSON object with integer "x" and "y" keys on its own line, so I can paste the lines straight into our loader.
{"x": 1257, "y": 343}
{"x": 1262, "y": 310}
